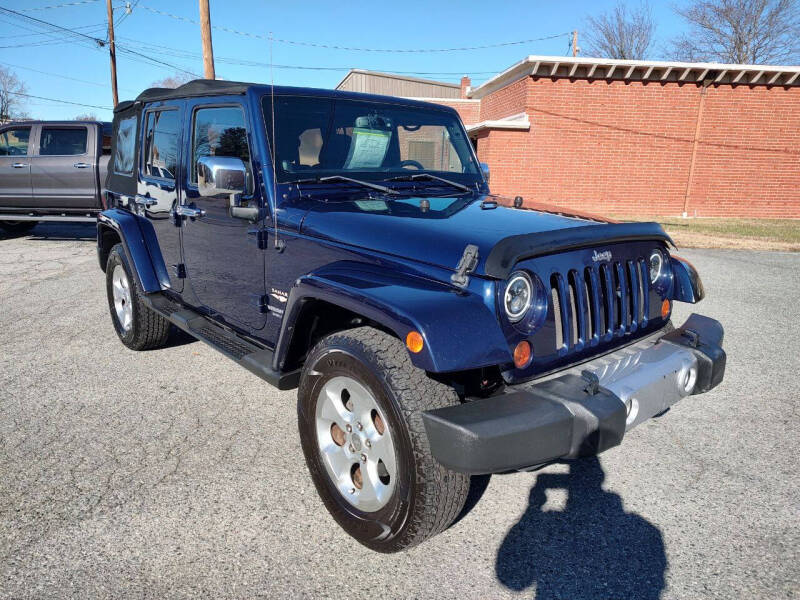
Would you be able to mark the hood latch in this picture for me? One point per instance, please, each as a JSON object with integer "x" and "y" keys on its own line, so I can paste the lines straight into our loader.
{"x": 467, "y": 264}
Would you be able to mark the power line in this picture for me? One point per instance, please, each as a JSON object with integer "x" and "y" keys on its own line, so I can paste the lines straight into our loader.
{"x": 102, "y": 85}
{"x": 350, "y": 48}
{"x": 71, "y": 32}
{"x": 78, "y": 37}
{"x": 180, "y": 53}
{"x": 61, "y": 101}
{"x": 18, "y": 35}
{"x": 77, "y": 3}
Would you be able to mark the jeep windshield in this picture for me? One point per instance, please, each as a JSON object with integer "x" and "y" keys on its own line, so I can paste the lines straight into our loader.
{"x": 323, "y": 139}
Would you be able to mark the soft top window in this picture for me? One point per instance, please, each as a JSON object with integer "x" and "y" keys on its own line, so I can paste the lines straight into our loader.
{"x": 124, "y": 146}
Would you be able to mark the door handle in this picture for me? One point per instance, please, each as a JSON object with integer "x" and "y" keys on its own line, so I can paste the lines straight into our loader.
{"x": 145, "y": 201}
{"x": 188, "y": 211}
{"x": 20, "y": 165}
{"x": 81, "y": 165}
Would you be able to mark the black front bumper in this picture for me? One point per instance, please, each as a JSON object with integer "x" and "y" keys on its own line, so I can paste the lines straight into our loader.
{"x": 572, "y": 416}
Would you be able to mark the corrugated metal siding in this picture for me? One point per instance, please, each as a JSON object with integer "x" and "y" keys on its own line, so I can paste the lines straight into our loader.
{"x": 373, "y": 83}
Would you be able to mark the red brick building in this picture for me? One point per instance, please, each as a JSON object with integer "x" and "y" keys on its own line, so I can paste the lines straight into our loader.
{"x": 639, "y": 137}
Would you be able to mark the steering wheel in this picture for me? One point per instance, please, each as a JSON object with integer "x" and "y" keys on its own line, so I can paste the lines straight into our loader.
{"x": 411, "y": 163}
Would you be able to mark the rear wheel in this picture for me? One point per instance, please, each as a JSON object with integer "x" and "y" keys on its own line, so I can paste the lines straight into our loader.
{"x": 18, "y": 227}
{"x": 137, "y": 326}
{"x": 359, "y": 413}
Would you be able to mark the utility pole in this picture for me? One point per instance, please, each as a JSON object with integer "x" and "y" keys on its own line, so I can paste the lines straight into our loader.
{"x": 575, "y": 48}
{"x": 205, "y": 32}
{"x": 112, "y": 53}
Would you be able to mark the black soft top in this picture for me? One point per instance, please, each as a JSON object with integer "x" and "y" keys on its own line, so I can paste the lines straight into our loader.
{"x": 198, "y": 87}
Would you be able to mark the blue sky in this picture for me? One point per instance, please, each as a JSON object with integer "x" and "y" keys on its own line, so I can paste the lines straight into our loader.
{"x": 45, "y": 63}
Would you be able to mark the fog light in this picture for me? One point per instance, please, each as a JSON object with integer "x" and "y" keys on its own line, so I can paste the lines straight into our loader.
{"x": 522, "y": 354}
{"x": 687, "y": 379}
{"x": 414, "y": 341}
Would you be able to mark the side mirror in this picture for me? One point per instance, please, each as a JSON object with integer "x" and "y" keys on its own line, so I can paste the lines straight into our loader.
{"x": 220, "y": 176}
{"x": 485, "y": 171}
{"x": 225, "y": 176}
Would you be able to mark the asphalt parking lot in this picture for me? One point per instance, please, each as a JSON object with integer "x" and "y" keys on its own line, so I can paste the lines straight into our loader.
{"x": 174, "y": 473}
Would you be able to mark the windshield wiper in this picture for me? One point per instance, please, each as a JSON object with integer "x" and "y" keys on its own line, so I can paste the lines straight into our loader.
{"x": 416, "y": 176}
{"x": 374, "y": 186}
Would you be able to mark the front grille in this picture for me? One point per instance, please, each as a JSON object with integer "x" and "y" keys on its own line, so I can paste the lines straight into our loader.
{"x": 600, "y": 302}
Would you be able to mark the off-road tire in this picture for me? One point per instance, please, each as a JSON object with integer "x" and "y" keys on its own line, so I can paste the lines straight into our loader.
{"x": 17, "y": 227}
{"x": 427, "y": 497}
{"x": 148, "y": 329}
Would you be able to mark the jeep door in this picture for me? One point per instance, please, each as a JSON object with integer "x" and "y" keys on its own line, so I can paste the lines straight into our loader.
{"x": 64, "y": 167}
{"x": 224, "y": 266}
{"x": 157, "y": 191}
{"x": 15, "y": 167}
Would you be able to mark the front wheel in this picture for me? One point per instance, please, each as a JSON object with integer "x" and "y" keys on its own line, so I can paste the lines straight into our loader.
{"x": 137, "y": 326}
{"x": 359, "y": 413}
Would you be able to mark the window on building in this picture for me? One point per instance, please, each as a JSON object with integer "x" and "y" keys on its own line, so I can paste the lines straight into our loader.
{"x": 220, "y": 131}
{"x": 62, "y": 141}
{"x": 14, "y": 142}
{"x": 161, "y": 144}
{"x": 125, "y": 146}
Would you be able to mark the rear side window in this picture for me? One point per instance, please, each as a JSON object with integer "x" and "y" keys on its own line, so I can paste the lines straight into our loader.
{"x": 62, "y": 141}
{"x": 161, "y": 144}
{"x": 106, "y": 133}
{"x": 124, "y": 146}
{"x": 14, "y": 142}
{"x": 219, "y": 131}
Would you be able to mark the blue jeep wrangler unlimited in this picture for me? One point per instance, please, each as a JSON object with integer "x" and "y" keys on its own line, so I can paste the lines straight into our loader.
{"x": 348, "y": 245}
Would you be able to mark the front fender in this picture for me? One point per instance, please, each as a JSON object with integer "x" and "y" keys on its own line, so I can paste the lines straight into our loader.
{"x": 141, "y": 247}
{"x": 459, "y": 330}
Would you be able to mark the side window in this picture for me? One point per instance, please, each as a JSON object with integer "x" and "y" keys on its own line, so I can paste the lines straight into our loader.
{"x": 105, "y": 132}
{"x": 124, "y": 146}
{"x": 161, "y": 144}
{"x": 62, "y": 141}
{"x": 14, "y": 142}
{"x": 219, "y": 131}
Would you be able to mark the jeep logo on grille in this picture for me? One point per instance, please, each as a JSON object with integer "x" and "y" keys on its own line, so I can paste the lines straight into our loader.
{"x": 597, "y": 256}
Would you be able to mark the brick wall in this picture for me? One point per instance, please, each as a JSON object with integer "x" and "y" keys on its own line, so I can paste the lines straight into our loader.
{"x": 469, "y": 110}
{"x": 625, "y": 147}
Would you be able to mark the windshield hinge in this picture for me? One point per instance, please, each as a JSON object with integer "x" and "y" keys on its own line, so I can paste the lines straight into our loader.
{"x": 468, "y": 262}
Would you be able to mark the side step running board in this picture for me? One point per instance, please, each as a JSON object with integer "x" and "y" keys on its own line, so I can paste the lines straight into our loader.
{"x": 254, "y": 358}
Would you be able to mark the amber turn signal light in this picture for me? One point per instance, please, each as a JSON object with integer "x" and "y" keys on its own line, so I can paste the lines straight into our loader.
{"x": 414, "y": 341}
{"x": 522, "y": 354}
{"x": 665, "y": 308}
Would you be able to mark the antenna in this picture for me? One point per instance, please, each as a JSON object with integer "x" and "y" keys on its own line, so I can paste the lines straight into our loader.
{"x": 278, "y": 245}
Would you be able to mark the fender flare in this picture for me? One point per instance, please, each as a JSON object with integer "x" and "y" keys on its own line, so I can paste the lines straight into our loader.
{"x": 459, "y": 330}
{"x": 141, "y": 247}
{"x": 688, "y": 286}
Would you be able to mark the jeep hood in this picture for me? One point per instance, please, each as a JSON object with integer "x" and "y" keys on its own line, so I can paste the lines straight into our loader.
{"x": 439, "y": 235}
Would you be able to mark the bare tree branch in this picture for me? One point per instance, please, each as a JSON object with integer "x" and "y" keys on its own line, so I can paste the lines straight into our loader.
{"x": 173, "y": 81}
{"x": 11, "y": 101}
{"x": 621, "y": 33}
{"x": 750, "y": 32}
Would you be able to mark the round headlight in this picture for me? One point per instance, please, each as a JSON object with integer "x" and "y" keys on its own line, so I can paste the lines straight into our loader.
{"x": 656, "y": 265}
{"x": 518, "y": 296}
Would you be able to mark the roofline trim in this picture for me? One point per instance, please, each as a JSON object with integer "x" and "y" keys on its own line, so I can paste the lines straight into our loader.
{"x": 583, "y": 67}
{"x": 518, "y": 122}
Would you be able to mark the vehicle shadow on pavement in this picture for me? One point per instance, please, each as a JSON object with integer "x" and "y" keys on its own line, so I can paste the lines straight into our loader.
{"x": 54, "y": 231}
{"x": 590, "y": 549}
